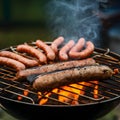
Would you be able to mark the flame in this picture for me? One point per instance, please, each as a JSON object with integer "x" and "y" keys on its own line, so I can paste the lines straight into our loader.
{"x": 19, "y": 98}
{"x": 65, "y": 95}
{"x": 25, "y": 93}
{"x": 68, "y": 94}
{"x": 43, "y": 98}
{"x": 39, "y": 95}
{"x": 78, "y": 90}
{"x": 96, "y": 89}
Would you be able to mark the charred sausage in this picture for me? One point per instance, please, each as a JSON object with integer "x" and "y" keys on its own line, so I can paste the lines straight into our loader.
{"x": 84, "y": 53}
{"x": 63, "y": 53}
{"x": 46, "y": 48}
{"x": 69, "y": 76}
{"x": 54, "y": 67}
{"x": 56, "y": 43}
{"x": 32, "y": 51}
{"x": 27, "y": 62}
{"x": 12, "y": 63}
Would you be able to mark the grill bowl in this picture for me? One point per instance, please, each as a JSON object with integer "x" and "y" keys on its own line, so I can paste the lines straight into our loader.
{"x": 26, "y": 111}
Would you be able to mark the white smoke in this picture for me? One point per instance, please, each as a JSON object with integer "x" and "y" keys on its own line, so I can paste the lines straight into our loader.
{"x": 74, "y": 19}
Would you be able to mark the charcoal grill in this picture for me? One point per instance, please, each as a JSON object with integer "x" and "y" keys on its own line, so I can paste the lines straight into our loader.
{"x": 95, "y": 98}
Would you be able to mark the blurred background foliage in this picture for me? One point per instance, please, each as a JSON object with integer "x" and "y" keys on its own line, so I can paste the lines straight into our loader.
{"x": 25, "y": 21}
{"x": 22, "y": 21}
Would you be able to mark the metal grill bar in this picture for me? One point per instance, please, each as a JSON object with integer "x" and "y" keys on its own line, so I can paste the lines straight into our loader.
{"x": 19, "y": 88}
{"x": 105, "y": 87}
{"x": 84, "y": 96}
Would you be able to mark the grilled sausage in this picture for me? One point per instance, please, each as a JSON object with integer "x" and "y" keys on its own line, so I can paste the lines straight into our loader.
{"x": 84, "y": 53}
{"x": 12, "y": 63}
{"x": 65, "y": 77}
{"x": 56, "y": 43}
{"x": 54, "y": 67}
{"x": 63, "y": 53}
{"x": 32, "y": 51}
{"x": 46, "y": 48}
{"x": 27, "y": 62}
{"x": 77, "y": 48}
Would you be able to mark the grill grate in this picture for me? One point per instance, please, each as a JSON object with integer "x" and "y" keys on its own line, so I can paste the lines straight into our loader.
{"x": 84, "y": 92}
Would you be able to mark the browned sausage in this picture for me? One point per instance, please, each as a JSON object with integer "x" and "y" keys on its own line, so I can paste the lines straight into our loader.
{"x": 56, "y": 43}
{"x": 74, "y": 75}
{"x": 77, "y": 48}
{"x": 54, "y": 67}
{"x": 46, "y": 48}
{"x": 63, "y": 53}
{"x": 27, "y": 62}
{"x": 84, "y": 53}
{"x": 32, "y": 51}
{"x": 12, "y": 63}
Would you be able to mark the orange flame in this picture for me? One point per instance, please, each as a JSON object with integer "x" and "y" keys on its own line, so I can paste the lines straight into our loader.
{"x": 25, "y": 93}
{"x": 65, "y": 95}
{"x": 19, "y": 98}
{"x": 44, "y": 98}
{"x": 68, "y": 94}
{"x": 96, "y": 89}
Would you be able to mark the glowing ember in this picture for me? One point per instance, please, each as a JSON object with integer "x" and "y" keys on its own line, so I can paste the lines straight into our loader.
{"x": 96, "y": 90}
{"x": 44, "y": 99}
{"x": 19, "y": 98}
{"x": 26, "y": 92}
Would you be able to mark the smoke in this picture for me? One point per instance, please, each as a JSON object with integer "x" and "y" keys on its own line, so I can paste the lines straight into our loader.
{"x": 73, "y": 19}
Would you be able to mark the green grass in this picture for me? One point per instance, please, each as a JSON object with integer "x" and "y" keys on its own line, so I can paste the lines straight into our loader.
{"x": 6, "y": 116}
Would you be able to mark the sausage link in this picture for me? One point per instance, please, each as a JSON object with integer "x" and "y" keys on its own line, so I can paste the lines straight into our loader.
{"x": 77, "y": 48}
{"x": 32, "y": 51}
{"x": 84, "y": 53}
{"x": 63, "y": 53}
{"x": 54, "y": 67}
{"x": 65, "y": 77}
{"x": 46, "y": 48}
{"x": 56, "y": 43}
{"x": 27, "y": 62}
{"x": 12, "y": 63}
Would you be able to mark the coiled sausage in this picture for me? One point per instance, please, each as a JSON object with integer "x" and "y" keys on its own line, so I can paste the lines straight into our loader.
{"x": 56, "y": 43}
{"x": 84, "y": 53}
{"x": 63, "y": 53}
{"x": 32, "y": 51}
{"x": 47, "y": 49}
{"x": 77, "y": 48}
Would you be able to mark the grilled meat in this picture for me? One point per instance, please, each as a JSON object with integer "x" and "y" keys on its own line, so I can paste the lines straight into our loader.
{"x": 71, "y": 75}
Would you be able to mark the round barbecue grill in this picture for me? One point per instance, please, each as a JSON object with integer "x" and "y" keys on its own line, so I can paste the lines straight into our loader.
{"x": 86, "y": 100}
